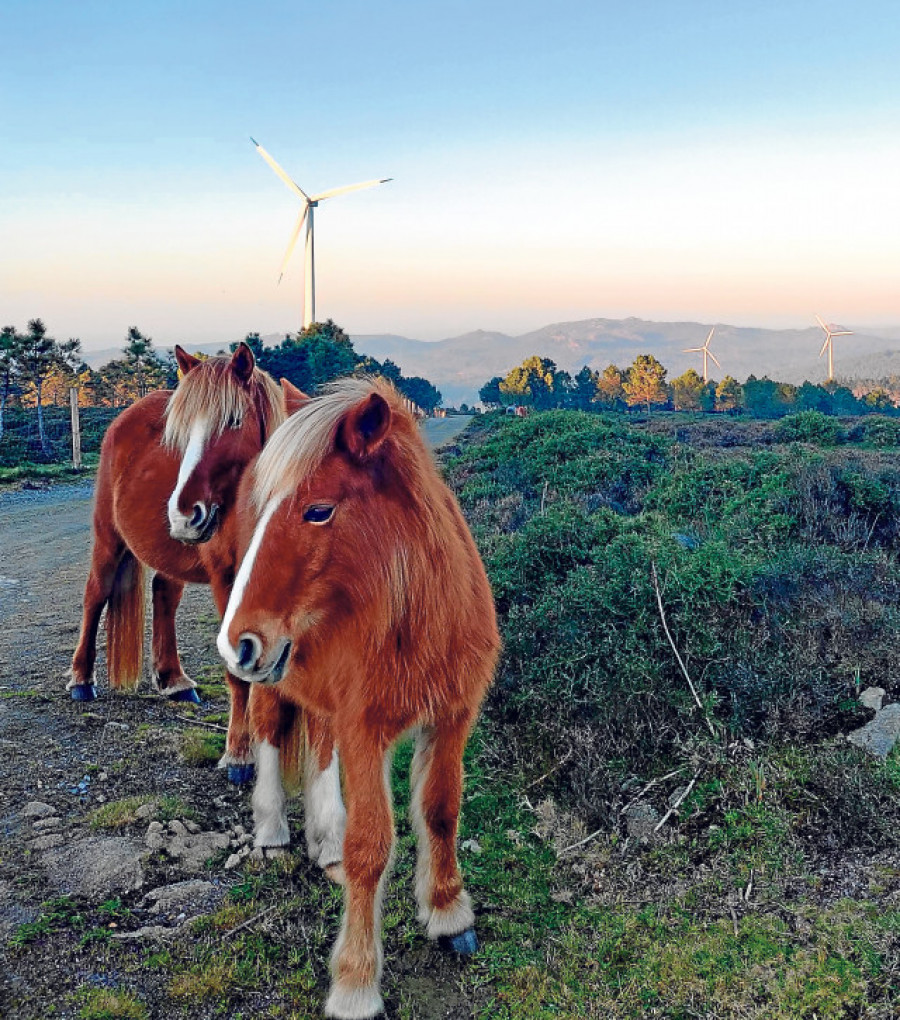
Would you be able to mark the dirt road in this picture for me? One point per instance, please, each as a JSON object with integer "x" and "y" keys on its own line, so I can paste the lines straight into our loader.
{"x": 172, "y": 820}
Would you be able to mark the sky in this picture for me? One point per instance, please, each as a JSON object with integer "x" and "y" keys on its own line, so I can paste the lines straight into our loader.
{"x": 683, "y": 160}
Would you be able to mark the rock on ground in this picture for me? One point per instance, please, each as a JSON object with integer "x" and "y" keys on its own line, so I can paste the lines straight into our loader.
{"x": 96, "y": 867}
{"x": 879, "y": 736}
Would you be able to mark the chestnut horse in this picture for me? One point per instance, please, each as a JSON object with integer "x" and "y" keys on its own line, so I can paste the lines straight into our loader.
{"x": 165, "y": 494}
{"x": 362, "y": 601}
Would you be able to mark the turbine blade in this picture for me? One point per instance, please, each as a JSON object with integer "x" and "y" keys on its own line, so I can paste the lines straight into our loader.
{"x": 822, "y": 324}
{"x": 293, "y": 241}
{"x": 843, "y": 332}
{"x": 710, "y": 336}
{"x": 825, "y": 345}
{"x": 692, "y": 350}
{"x": 348, "y": 187}
{"x": 278, "y": 170}
{"x": 714, "y": 358}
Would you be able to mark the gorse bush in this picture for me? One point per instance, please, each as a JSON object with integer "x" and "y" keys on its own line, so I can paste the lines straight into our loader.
{"x": 810, "y": 427}
{"x": 776, "y": 568}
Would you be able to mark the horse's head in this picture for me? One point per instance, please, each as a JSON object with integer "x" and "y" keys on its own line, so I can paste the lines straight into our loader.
{"x": 217, "y": 421}
{"x": 321, "y": 521}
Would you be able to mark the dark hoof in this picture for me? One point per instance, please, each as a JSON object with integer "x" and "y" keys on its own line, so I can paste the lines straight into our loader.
{"x": 83, "y": 692}
{"x": 240, "y": 774}
{"x": 464, "y": 944}
{"x": 189, "y": 695}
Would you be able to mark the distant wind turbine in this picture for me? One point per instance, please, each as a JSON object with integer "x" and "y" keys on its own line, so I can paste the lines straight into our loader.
{"x": 831, "y": 331}
{"x": 707, "y": 353}
{"x": 306, "y": 214}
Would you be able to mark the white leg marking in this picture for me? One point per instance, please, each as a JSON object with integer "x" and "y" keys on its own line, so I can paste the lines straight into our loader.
{"x": 240, "y": 586}
{"x": 269, "y": 814}
{"x": 453, "y": 919}
{"x": 420, "y": 764}
{"x": 326, "y": 818}
{"x": 354, "y": 1003}
{"x": 189, "y": 461}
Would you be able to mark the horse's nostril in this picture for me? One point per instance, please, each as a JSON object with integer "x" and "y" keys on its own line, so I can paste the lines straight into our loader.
{"x": 198, "y": 516}
{"x": 248, "y": 651}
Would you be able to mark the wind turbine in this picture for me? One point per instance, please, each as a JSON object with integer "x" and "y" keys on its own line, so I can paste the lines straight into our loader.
{"x": 831, "y": 331}
{"x": 707, "y": 353}
{"x": 306, "y": 214}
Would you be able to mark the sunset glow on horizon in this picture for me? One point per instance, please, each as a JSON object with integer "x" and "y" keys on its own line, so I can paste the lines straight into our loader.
{"x": 549, "y": 165}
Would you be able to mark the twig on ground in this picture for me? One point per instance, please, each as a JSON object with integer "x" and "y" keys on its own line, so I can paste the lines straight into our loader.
{"x": 650, "y": 785}
{"x": 201, "y": 722}
{"x": 687, "y": 676}
{"x": 550, "y": 772}
{"x": 249, "y": 921}
{"x": 681, "y": 799}
{"x": 580, "y": 842}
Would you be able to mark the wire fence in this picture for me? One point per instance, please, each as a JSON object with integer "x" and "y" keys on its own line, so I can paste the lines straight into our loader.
{"x": 21, "y": 441}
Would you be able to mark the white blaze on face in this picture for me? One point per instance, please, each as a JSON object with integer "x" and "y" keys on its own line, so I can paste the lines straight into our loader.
{"x": 240, "y": 584}
{"x": 193, "y": 453}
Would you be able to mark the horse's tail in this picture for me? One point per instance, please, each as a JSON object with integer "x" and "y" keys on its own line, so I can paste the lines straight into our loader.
{"x": 293, "y": 748}
{"x": 125, "y": 624}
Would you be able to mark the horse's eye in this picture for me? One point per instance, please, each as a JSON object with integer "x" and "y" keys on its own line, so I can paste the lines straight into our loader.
{"x": 319, "y": 513}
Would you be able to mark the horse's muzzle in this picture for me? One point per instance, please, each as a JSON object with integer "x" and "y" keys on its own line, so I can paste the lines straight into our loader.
{"x": 199, "y": 528}
{"x": 248, "y": 661}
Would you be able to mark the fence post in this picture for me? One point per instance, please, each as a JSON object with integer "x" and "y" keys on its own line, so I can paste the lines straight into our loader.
{"x": 76, "y": 428}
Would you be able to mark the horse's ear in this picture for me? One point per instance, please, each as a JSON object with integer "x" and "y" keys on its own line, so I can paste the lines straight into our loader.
{"x": 242, "y": 361}
{"x": 364, "y": 427}
{"x": 294, "y": 398}
{"x": 184, "y": 360}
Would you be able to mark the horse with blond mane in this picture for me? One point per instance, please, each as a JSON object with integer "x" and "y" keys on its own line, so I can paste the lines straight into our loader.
{"x": 362, "y": 601}
{"x": 165, "y": 494}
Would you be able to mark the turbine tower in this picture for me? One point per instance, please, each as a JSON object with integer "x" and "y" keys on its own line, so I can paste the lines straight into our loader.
{"x": 831, "y": 331}
{"x": 306, "y": 215}
{"x": 707, "y": 353}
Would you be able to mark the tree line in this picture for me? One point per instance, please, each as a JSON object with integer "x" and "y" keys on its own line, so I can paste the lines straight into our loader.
{"x": 37, "y": 370}
{"x": 538, "y": 383}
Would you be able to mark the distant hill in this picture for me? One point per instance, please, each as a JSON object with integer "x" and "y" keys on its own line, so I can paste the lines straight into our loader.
{"x": 460, "y": 365}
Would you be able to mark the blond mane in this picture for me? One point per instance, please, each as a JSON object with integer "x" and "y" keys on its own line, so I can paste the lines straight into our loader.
{"x": 210, "y": 392}
{"x": 301, "y": 443}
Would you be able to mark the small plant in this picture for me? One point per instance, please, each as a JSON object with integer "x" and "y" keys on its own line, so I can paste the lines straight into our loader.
{"x": 810, "y": 427}
{"x": 202, "y": 747}
{"x": 109, "y": 1004}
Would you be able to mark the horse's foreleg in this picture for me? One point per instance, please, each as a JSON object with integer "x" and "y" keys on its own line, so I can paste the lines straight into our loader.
{"x": 357, "y": 956}
{"x": 271, "y": 720}
{"x": 437, "y": 776}
{"x": 105, "y": 556}
{"x": 238, "y": 756}
{"x": 168, "y": 675}
{"x": 326, "y": 819}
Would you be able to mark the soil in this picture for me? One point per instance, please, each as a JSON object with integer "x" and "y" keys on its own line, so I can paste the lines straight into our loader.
{"x": 75, "y": 757}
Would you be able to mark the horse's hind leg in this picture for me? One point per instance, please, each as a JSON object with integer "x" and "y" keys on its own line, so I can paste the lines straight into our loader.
{"x": 357, "y": 956}
{"x": 168, "y": 674}
{"x": 105, "y": 557}
{"x": 326, "y": 819}
{"x": 437, "y": 776}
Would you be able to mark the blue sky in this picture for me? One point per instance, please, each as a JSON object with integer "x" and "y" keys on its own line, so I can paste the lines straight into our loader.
{"x": 695, "y": 160}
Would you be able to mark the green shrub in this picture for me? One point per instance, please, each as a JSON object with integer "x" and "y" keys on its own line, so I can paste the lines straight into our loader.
{"x": 810, "y": 427}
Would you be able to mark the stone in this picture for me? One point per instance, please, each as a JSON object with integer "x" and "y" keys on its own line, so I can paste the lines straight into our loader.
{"x": 146, "y": 811}
{"x": 37, "y": 809}
{"x": 47, "y": 841}
{"x": 641, "y": 820}
{"x": 43, "y": 824}
{"x": 233, "y": 861}
{"x": 177, "y": 828}
{"x": 872, "y": 697}
{"x": 192, "y": 827}
{"x": 880, "y": 735}
{"x": 184, "y": 899}
{"x": 471, "y": 846}
{"x": 150, "y": 931}
{"x": 192, "y": 851}
{"x": 96, "y": 867}
{"x": 155, "y": 827}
